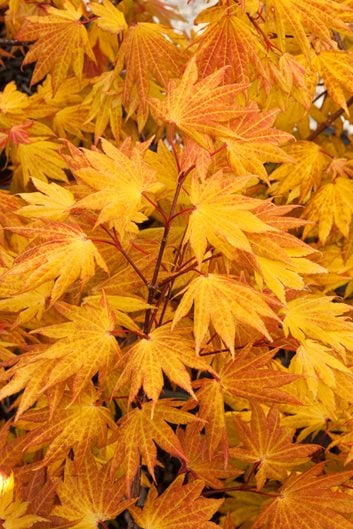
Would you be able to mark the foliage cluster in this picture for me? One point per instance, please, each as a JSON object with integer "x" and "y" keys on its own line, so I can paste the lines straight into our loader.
{"x": 176, "y": 266}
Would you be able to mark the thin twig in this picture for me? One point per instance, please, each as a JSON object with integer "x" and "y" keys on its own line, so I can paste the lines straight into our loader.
{"x": 328, "y": 121}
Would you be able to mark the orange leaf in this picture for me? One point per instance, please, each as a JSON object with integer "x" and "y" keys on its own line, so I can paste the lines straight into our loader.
{"x": 306, "y": 500}
{"x": 269, "y": 446}
{"x": 200, "y": 108}
{"x": 138, "y": 433}
{"x": 62, "y": 42}
{"x": 180, "y": 506}
{"x": 227, "y": 304}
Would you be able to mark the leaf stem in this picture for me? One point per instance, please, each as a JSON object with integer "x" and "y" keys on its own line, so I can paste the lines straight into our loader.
{"x": 118, "y": 246}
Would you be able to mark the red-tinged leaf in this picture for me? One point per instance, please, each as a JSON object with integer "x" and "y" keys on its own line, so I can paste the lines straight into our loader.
{"x": 211, "y": 469}
{"x": 62, "y": 43}
{"x": 149, "y": 53}
{"x": 229, "y": 40}
{"x": 79, "y": 427}
{"x": 58, "y": 251}
{"x": 200, "y": 108}
{"x": 84, "y": 347}
{"x": 180, "y": 506}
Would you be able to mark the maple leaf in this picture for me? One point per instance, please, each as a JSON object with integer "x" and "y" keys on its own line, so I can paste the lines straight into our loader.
{"x": 330, "y": 206}
{"x": 90, "y": 495}
{"x": 105, "y": 105}
{"x": 317, "y": 363}
{"x": 211, "y": 470}
{"x": 138, "y": 433}
{"x": 220, "y": 197}
{"x": 84, "y": 345}
{"x": 257, "y": 142}
{"x": 229, "y": 40}
{"x": 200, "y": 108}
{"x": 149, "y": 54}
{"x": 268, "y": 446}
{"x": 52, "y": 201}
{"x": 179, "y": 506}
{"x": 79, "y": 427}
{"x": 281, "y": 258}
{"x": 13, "y": 511}
{"x": 28, "y": 305}
{"x": 119, "y": 178}
{"x": 58, "y": 251}
{"x": 110, "y": 18}
{"x": 227, "y": 304}
{"x": 27, "y": 376}
{"x": 210, "y": 398}
{"x": 162, "y": 351}
{"x": 335, "y": 67}
{"x": 40, "y": 158}
{"x": 318, "y": 318}
{"x": 307, "y": 500}
{"x": 299, "y": 17}
{"x": 62, "y": 42}
{"x": 310, "y": 163}
{"x": 249, "y": 376}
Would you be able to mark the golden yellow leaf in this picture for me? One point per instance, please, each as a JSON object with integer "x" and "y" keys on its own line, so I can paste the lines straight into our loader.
{"x": 13, "y": 511}
{"x": 110, "y": 18}
{"x": 317, "y": 318}
{"x": 162, "y": 351}
{"x": 119, "y": 178}
{"x": 227, "y": 304}
{"x": 78, "y": 427}
{"x": 58, "y": 251}
{"x": 89, "y": 496}
{"x": 336, "y": 69}
{"x": 52, "y": 201}
{"x": 220, "y": 197}
{"x": 138, "y": 432}
{"x": 331, "y": 206}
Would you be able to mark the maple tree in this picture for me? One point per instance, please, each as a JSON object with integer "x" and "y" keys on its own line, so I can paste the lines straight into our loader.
{"x": 176, "y": 265}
